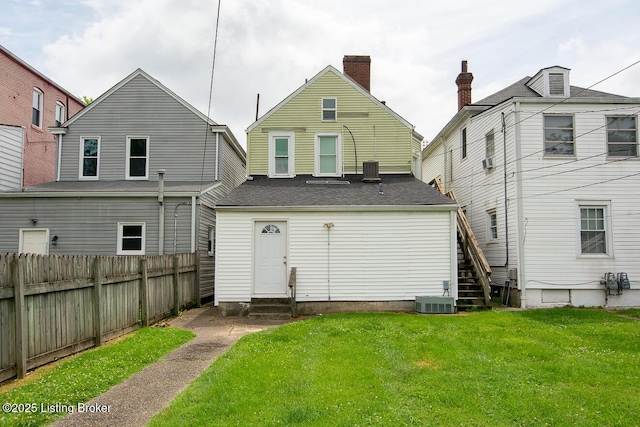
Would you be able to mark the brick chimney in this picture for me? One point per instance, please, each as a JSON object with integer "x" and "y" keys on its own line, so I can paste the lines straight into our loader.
{"x": 358, "y": 67}
{"x": 463, "y": 81}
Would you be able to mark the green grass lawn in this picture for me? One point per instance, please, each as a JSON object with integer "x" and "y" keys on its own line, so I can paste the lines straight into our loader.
{"x": 561, "y": 367}
{"x": 83, "y": 377}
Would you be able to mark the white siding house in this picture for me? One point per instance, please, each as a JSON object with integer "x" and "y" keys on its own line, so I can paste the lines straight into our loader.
{"x": 548, "y": 175}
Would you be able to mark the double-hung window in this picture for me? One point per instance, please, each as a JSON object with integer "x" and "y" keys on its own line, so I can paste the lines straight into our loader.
{"x": 59, "y": 113}
{"x": 622, "y": 136}
{"x": 137, "y": 166}
{"x": 492, "y": 226}
{"x": 131, "y": 238}
{"x": 463, "y": 143}
{"x": 558, "y": 136}
{"x": 489, "y": 143}
{"x": 36, "y": 112}
{"x": 329, "y": 109}
{"x": 281, "y": 154}
{"x": 89, "y": 157}
{"x": 594, "y": 228}
{"x": 328, "y": 159}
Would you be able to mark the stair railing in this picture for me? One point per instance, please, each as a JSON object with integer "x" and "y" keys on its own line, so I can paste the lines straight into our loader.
{"x": 292, "y": 292}
{"x": 470, "y": 247}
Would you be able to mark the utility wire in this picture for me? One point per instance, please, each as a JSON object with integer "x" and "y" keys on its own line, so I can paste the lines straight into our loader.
{"x": 213, "y": 67}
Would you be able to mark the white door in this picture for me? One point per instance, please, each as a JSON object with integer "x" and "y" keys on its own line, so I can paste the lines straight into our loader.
{"x": 34, "y": 241}
{"x": 270, "y": 259}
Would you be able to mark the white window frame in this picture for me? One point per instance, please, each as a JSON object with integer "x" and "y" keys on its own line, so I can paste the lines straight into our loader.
{"x": 463, "y": 143}
{"x": 605, "y": 205}
{"x": 121, "y": 251}
{"x": 291, "y": 136}
{"x": 334, "y": 110}
{"x": 128, "y": 158}
{"x": 59, "y": 113}
{"x": 490, "y": 227}
{"x": 211, "y": 241}
{"x": 544, "y": 137}
{"x": 40, "y": 107}
{"x": 493, "y": 144}
{"x": 635, "y": 118}
{"x": 316, "y": 155}
{"x": 81, "y": 175}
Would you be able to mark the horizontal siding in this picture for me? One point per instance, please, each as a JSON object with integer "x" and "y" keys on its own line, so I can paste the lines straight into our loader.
{"x": 374, "y": 256}
{"x": 89, "y": 225}
{"x": 11, "y": 147}
{"x": 552, "y": 222}
{"x": 177, "y": 136}
{"x": 378, "y": 135}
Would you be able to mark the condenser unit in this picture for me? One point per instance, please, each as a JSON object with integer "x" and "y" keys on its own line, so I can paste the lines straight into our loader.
{"x": 435, "y": 305}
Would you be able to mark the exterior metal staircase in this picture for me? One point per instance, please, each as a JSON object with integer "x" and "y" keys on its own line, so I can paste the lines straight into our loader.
{"x": 474, "y": 273}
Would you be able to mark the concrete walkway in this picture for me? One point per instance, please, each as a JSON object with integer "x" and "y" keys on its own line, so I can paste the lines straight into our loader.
{"x": 136, "y": 400}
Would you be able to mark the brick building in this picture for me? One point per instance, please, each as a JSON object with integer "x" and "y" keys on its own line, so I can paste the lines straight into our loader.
{"x": 34, "y": 102}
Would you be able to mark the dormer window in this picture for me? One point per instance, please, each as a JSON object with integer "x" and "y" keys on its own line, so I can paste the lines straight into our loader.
{"x": 556, "y": 84}
{"x": 329, "y": 109}
{"x": 551, "y": 82}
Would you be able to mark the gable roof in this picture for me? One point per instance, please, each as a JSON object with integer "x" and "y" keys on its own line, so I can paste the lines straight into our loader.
{"x": 306, "y": 190}
{"x": 346, "y": 79}
{"x": 136, "y": 73}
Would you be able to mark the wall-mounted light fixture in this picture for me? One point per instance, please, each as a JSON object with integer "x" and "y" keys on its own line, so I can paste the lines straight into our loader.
{"x": 54, "y": 240}
{"x": 34, "y": 221}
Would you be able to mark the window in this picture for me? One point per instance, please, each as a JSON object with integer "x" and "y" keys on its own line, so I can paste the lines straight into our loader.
{"x": 558, "y": 136}
{"x": 463, "y": 143}
{"x": 137, "y": 166}
{"x": 59, "y": 113}
{"x": 492, "y": 223}
{"x": 89, "y": 157}
{"x": 328, "y": 155}
{"x": 211, "y": 241}
{"x": 329, "y": 109}
{"x": 131, "y": 236}
{"x": 36, "y": 115}
{"x": 622, "y": 136}
{"x": 593, "y": 229}
{"x": 556, "y": 84}
{"x": 489, "y": 145}
{"x": 270, "y": 229}
{"x": 281, "y": 154}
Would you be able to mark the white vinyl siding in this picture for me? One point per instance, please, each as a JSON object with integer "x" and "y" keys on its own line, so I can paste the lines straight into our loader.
{"x": 11, "y": 145}
{"x": 89, "y": 158}
{"x": 281, "y": 154}
{"x": 137, "y": 166}
{"x": 368, "y": 252}
{"x": 328, "y": 154}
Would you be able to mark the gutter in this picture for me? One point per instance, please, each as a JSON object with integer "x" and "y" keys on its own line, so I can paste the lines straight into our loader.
{"x": 84, "y": 194}
{"x": 343, "y": 208}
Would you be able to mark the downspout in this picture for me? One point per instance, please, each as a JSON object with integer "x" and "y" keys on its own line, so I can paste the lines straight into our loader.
{"x": 328, "y": 226}
{"x": 506, "y": 210}
{"x": 520, "y": 230}
{"x": 161, "y": 173}
{"x": 194, "y": 229}
{"x": 59, "y": 156}
{"x": 217, "y": 154}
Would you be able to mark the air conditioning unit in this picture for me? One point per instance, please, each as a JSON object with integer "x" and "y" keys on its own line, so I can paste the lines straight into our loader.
{"x": 435, "y": 305}
{"x": 371, "y": 171}
{"x": 487, "y": 163}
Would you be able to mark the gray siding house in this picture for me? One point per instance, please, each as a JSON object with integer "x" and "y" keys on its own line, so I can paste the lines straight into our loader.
{"x": 139, "y": 173}
{"x": 11, "y": 149}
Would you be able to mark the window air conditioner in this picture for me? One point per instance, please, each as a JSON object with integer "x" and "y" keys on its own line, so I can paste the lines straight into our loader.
{"x": 487, "y": 163}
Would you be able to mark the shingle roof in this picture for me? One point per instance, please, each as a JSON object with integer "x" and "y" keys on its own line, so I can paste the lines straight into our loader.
{"x": 306, "y": 190}
{"x": 112, "y": 187}
{"x": 520, "y": 89}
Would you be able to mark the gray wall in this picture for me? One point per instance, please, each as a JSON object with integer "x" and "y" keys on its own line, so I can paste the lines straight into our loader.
{"x": 11, "y": 147}
{"x": 140, "y": 108}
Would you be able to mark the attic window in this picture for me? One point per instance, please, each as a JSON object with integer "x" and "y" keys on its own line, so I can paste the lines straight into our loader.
{"x": 329, "y": 109}
{"x": 556, "y": 84}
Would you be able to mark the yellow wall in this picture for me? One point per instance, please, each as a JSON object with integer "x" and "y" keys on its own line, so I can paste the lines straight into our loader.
{"x": 378, "y": 135}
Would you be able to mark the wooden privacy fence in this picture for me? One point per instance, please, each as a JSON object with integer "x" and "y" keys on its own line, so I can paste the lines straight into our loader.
{"x": 52, "y": 306}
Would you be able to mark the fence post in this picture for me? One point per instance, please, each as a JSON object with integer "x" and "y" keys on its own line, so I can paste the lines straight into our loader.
{"x": 176, "y": 286}
{"x": 17, "y": 276}
{"x": 144, "y": 293}
{"x": 97, "y": 301}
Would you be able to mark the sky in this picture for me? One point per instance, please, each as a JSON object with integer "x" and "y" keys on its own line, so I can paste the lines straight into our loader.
{"x": 269, "y": 47}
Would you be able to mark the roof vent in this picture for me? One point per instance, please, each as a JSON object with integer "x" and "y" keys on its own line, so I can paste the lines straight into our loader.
{"x": 370, "y": 171}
